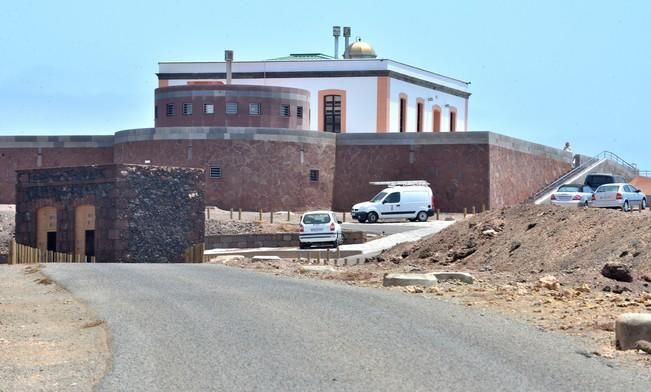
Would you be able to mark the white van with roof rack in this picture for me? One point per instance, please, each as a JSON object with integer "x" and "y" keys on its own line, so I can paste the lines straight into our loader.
{"x": 411, "y": 200}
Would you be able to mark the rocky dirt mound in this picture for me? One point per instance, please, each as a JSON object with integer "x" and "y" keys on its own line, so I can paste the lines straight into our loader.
{"x": 526, "y": 242}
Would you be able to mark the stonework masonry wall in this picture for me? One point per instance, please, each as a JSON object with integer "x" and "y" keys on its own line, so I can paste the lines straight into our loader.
{"x": 269, "y": 169}
{"x": 142, "y": 213}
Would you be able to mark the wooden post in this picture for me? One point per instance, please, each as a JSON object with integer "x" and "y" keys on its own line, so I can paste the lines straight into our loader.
{"x": 474, "y": 212}
{"x": 318, "y": 257}
{"x": 239, "y": 214}
{"x": 231, "y": 214}
{"x": 289, "y": 216}
{"x": 261, "y": 215}
{"x": 208, "y": 213}
{"x": 327, "y": 257}
{"x": 483, "y": 208}
{"x": 308, "y": 257}
{"x": 343, "y": 218}
{"x": 271, "y": 217}
{"x": 11, "y": 252}
{"x": 438, "y": 213}
{"x": 465, "y": 212}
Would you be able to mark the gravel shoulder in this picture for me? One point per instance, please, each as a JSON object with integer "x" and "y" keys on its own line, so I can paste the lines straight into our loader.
{"x": 49, "y": 341}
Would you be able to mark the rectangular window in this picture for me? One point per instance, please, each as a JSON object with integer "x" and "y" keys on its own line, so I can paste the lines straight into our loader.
{"x": 208, "y": 108}
{"x": 332, "y": 113}
{"x": 231, "y": 107}
{"x": 156, "y": 111}
{"x": 255, "y": 109}
{"x": 187, "y": 109}
{"x": 419, "y": 117}
{"x": 215, "y": 172}
{"x": 170, "y": 110}
{"x": 299, "y": 111}
{"x": 314, "y": 175}
{"x": 284, "y": 110}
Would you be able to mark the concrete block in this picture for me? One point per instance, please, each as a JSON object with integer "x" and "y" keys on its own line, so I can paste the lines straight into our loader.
{"x": 409, "y": 279}
{"x": 265, "y": 258}
{"x": 631, "y": 327}
{"x": 460, "y": 276}
{"x": 317, "y": 268}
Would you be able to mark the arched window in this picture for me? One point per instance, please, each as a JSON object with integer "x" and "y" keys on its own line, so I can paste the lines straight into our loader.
{"x": 453, "y": 119}
{"x": 420, "y": 103}
{"x": 332, "y": 111}
{"x": 436, "y": 118}
{"x": 402, "y": 115}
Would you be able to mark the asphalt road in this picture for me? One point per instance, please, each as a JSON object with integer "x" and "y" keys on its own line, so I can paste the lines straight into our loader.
{"x": 211, "y": 328}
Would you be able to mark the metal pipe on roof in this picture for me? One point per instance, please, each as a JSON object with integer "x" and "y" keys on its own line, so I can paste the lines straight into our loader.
{"x": 336, "y": 32}
{"x": 228, "y": 56}
{"x": 346, "y": 41}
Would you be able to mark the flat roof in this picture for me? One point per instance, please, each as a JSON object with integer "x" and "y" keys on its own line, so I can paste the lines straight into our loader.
{"x": 305, "y": 66}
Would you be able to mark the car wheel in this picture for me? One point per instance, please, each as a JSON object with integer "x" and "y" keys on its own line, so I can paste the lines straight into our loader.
{"x": 372, "y": 217}
{"x": 644, "y": 204}
{"x": 303, "y": 245}
{"x": 360, "y": 220}
{"x": 422, "y": 216}
{"x": 585, "y": 204}
{"x": 625, "y": 207}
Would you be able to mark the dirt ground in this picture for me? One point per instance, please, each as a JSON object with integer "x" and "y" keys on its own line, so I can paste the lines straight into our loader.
{"x": 48, "y": 340}
{"x": 537, "y": 264}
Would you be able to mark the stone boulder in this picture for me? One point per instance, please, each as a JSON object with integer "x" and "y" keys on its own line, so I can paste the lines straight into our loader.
{"x": 617, "y": 271}
{"x": 631, "y": 328}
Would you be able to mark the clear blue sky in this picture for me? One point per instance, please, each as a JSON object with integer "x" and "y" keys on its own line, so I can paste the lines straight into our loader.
{"x": 545, "y": 71}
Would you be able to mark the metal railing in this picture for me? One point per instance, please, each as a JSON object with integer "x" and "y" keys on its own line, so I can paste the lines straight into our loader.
{"x": 584, "y": 165}
{"x": 645, "y": 173}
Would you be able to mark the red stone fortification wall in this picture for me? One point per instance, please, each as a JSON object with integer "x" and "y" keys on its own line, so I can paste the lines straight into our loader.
{"x": 458, "y": 174}
{"x": 256, "y": 174}
{"x": 515, "y": 176}
{"x": 19, "y": 158}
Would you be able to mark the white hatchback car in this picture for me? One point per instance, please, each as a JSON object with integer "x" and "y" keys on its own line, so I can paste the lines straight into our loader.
{"x": 320, "y": 228}
{"x": 619, "y": 195}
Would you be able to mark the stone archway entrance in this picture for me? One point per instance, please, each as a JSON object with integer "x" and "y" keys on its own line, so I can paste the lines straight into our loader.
{"x": 46, "y": 229}
{"x": 85, "y": 231}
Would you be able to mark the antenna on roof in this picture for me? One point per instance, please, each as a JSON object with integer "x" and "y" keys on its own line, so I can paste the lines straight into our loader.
{"x": 401, "y": 183}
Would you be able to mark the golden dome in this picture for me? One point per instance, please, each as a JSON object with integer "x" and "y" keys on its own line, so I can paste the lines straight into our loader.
{"x": 361, "y": 50}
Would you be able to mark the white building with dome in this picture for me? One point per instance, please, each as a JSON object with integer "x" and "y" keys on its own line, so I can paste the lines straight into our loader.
{"x": 359, "y": 93}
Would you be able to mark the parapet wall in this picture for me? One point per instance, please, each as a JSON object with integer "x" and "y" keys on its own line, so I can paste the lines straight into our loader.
{"x": 274, "y": 169}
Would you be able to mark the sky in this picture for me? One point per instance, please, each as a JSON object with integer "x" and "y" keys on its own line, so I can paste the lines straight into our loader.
{"x": 544, "y": 71}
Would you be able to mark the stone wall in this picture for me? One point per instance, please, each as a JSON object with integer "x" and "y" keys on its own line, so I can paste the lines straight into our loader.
{"x": 269, "y": 169}
{"x": 258, "y": 240}
{"x": 142, "y": 213}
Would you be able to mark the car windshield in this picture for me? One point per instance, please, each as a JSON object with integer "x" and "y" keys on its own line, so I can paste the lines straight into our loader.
{"x": 378, "y": 197}
{"x": 316, "y": 219}
{"x": 569, "y": 188}
{"x": 608, "y": 188}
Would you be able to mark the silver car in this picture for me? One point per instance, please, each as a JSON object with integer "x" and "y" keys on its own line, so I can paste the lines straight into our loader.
{"x": 571, "y": 195}
{"x": 619, "y": 195}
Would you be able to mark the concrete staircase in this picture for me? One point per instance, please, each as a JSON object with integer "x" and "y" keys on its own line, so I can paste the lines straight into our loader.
{"x": 604, "y": 162}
